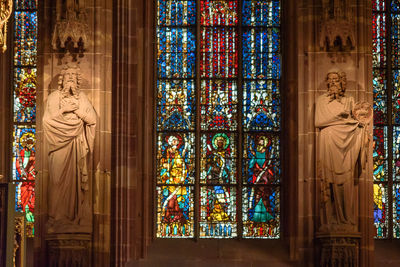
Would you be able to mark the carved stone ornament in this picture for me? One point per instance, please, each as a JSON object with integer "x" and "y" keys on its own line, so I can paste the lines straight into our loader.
{"x": 71, "y": 30}
{"x": 65, "y": 250}
{"x": 342, "y": 154}
{"x": 6, "y": 7}
{"x": 337, "y": 28}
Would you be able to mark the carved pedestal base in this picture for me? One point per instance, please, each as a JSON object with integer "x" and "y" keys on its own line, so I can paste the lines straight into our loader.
{"x": 66, "y": 250}
{"x": 338, "y": 250}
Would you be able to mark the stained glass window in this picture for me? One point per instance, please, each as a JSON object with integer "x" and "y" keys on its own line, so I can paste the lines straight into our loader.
{"x": 24, "y": 99}
{"x": 218, "y": 118}
{"x": 386, "y": 90}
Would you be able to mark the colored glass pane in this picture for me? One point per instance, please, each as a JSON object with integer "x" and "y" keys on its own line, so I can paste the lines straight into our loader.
{"x": 25, "y": 4}
{"x": 219, "y": 58}
{"x": 218, "y": 212}
{"x": 25, "y": 95}
{"x": 175, "y": 158}
{"x": 218, "y": 105}
{"x": 24, "y": 153}
{"x": 395, "y": 5}
{"x": 25, "y": 42}
{"x": 380, "y": 96}
{"x": 261, "y": 159}
{"x": 261, "y": 105}
{"x": 175, "y": 211}
{"x": 396, "y": 97}
{"x": 380, "y": 210}
{"x": 396, "y": 153}
{"x": 395, "y": 34}
{"x": 218, "y": 161}
{"x": 176, "y": 52}
{"x": 176, "y": 12}
{"x": 176, "y": 104}
{"x": 379, "y": 40}
{"x": 261, "y": 13}
{"x": 261, "y": 218}
{"x": 261, "y": 58}
{"x": 396, "y": 210}
{"x": 380, "y": 154}
{"x": 219, "y": 12}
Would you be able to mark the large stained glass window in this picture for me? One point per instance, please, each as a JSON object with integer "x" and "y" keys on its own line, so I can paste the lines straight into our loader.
{"x": 386, "y": 88}
{"x": 24, "y": 102}
{"x": 218, "y": 118}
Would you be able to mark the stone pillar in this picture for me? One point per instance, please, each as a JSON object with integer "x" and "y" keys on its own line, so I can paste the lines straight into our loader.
{"x": 133, "y": 135}
{"x": 320, "y": 51}
{"x": 94, "y": 57}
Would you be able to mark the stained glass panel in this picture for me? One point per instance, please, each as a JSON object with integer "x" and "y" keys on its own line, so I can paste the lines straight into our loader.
{"x": 261, "y": 58}
{"x": 176, "y": 12}
{"x": 175, "y": 158}
{"x": 219, "y": 12}
{"x": 380, "y": 154}
{"x": 261, "y": 13}
{"x": 26, "y": 4}
{"x": 25, "y": 42}
{"x": 25, "y": 95}
{"x": 175, "y": 211}
{"x": 218, "y": 160}
{"x": 261, "y": 218}
{"x": 218, "y": 105}
{"x": 218, "y": 212}
{"x": 396, "y": 153}
{"x": 176, "y": 105}
{"x": 261, "y": 105}
{"x": 176, "y": 52}
{"x": 396, "y": 210}
{"x": 24, "y": 153}
{"x": 379, "y": 40}
{"x": 380, "y": 96}
{"x": 261, "y": 159}
{"x": 380, "y": 210}
{"x": 218, "y": 54}
{"x": 395, "y": 5}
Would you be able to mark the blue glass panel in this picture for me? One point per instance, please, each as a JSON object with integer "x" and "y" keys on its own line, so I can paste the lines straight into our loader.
{"x": 261, "y": 13}
{"x": 261, "y": 58}
{"x": 176, "y": 52}
{"x": 25, "y": 44}
{"x": 176, "y": 12}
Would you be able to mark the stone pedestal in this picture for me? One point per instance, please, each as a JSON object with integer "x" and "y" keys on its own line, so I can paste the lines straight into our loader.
{"x": 338, "y": 249}
{"x": 68, "y": 250}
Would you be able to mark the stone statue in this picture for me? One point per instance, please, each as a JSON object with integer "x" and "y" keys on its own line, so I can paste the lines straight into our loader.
{"x": 69, "y": 126}
{"x": 343, "y": 142}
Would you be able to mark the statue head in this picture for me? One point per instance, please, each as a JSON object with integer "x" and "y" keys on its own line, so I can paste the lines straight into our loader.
{"x": 336, "y": 82}
{"x": 69, "y": 80}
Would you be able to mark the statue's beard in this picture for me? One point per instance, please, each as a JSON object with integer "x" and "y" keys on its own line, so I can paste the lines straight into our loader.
{"x": 335, "y": 92}
{"x": 70, "y": 89}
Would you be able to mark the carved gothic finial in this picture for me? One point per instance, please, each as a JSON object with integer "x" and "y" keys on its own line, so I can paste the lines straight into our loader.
{"x": 337, "y": 27}
{"x": 6, "y": 7}
{"x": 71, "y": 31}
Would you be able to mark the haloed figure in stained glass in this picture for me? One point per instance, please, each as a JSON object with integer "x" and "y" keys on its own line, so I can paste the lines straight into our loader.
{"x": 218, "y": 165}
{"x": 175, "y": 197}
{"x": 261, "y": 174}
{"x": 25, "y": 165}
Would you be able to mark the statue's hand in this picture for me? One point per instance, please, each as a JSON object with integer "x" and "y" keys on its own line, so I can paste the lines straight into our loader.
{"x": 70, "y": 106}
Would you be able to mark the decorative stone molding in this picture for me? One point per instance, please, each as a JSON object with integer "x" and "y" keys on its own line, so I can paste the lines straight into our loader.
{"x": 6, "y": 7}
{"x": 66, "y": 250}
{"x": 19, "y": 235}
{"x": 337, "y": 33}
{"x": 339, "y": 249}
{"x": 71, "y": 31}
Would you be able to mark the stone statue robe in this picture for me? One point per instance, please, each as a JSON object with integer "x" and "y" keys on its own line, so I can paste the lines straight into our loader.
{"x": 340, "y": 148}
{"x": 70, "y": 137}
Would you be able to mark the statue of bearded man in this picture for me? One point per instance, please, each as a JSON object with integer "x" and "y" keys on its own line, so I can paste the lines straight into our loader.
{"x": 69, "y": 126}
{"x": 343, "y": 142}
